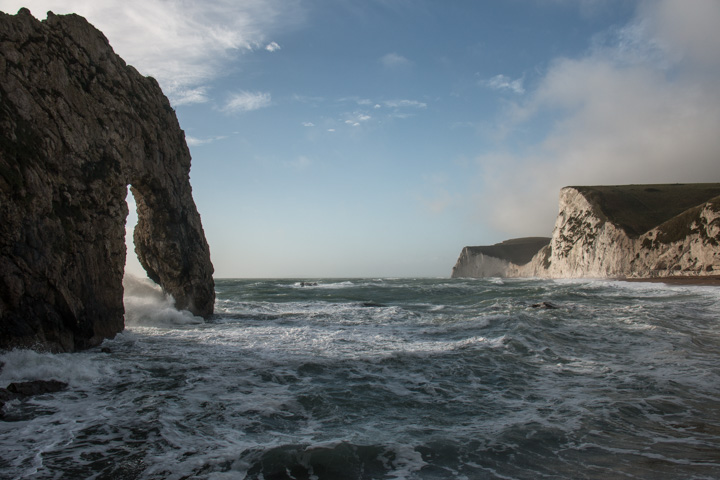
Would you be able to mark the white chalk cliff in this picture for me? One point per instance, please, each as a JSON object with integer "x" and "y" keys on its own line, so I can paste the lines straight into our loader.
{"x": 621, "y": 232}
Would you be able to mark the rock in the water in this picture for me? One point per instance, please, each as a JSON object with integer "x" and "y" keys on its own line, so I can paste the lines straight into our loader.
{"x": 28, "y": 389}
{"x": 36, "y": 387}
{"x": 5, "y": 396}
{"x": 545, "y": 305}
{"x": 77, "y": 126}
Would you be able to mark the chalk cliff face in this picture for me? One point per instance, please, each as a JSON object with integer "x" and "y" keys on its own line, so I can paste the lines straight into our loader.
{"x": 497, "y": 260}
{"x": 629, "y": 231}
{"x": 77, "y": 126}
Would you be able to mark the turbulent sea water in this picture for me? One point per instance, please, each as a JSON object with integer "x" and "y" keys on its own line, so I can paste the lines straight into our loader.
{"x": 384, "y": 379}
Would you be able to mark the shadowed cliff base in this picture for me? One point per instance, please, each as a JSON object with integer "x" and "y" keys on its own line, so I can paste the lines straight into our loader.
{"x": 77, "y": 126}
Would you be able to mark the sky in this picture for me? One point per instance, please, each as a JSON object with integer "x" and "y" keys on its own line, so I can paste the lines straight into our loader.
{"x": 377, "y": 138}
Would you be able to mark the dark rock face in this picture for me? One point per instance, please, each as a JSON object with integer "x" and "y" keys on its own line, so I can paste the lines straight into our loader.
{"x": 77, "y": 126}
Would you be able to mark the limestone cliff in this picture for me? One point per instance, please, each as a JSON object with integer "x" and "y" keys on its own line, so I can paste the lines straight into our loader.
{"x": 631, "y": 231}
{"x": 77, "y": 126}
{"x": 497, "y": 260}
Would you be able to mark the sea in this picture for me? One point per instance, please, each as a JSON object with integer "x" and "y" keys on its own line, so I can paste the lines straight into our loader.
{"x": 382, "y": 378}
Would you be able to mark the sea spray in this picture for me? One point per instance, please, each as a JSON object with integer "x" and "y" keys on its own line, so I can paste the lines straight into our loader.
{"x": 147, "y": 305}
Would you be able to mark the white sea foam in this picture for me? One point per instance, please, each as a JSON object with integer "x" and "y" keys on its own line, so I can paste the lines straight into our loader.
{"x": 26, "y": 365}
{"x": 147, "y": 305}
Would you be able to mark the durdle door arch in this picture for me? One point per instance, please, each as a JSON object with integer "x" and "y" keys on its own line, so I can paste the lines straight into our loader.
{"x": 77, "y": 126}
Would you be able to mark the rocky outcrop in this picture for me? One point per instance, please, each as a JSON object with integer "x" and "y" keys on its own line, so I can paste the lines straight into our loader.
{"x": 497, "y": 260}
{"x": 633, "y": 231}
{"x": 77, "y": 126}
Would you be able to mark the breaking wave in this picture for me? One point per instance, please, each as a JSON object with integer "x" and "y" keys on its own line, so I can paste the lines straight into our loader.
{"x": 147, "y": 305}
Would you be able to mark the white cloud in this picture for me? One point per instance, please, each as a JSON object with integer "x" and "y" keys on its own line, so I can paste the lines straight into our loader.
{"x": 405, "y": 104}
{"x": 614, "y": 118}
{"x": 193, "y": 141}
{"x": 191, "y": 95}
{"x": 184, "y": 45}
{"x": 314, "y": 101}
{"x": 246, "y": 101}
{"x": 393, "y": 60}
{"x": 503, "y": 82}
{"x": 357, "y": 118}
{"x": 308, "y": 124}
{"x": 272, "y": 47}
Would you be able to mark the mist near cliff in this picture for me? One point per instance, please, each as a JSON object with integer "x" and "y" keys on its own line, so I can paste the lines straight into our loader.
{"x": 641, "y": 106}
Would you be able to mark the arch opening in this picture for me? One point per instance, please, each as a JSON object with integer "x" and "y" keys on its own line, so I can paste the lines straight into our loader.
{"x": 132, "y": 264}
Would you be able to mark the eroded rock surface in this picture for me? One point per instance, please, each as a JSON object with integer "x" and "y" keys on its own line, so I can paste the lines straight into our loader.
{"x": 77, "y": 126}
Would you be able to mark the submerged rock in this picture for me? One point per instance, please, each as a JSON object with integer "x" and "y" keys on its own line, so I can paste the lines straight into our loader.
{"x": 36, "y": 387}
{"x": 28, "y": 389}
{"x": 77, "y": 126}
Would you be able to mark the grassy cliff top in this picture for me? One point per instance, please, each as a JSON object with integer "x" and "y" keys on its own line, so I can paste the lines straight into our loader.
{"x": 639, "y": 208}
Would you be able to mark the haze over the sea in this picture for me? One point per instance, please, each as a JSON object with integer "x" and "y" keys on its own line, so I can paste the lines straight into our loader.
{"x": 334, "y": 138}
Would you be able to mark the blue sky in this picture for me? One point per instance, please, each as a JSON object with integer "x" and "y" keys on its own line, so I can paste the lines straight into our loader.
{"x": 338, "y": 138}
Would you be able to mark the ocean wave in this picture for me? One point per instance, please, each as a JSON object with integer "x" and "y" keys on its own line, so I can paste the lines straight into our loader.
{"x": 413, "y": 379}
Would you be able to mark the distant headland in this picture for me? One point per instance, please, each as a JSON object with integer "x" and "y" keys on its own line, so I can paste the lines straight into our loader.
{"x": 667, "y": 231}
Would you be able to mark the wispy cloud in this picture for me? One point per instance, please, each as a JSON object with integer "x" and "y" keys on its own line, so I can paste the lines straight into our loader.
{"x": 405, "y": 104}
{"x": 190, "y": 41}
{"x": 191, "y": 95}
{"x": 308, "y": 124}
{"x": 375, "y": 112}
{"x": 394, "y": 60}
{"x": 246, "y": 101}
{"x": 194, "y": 142}
{"x": 308, "y": 99}
{"x": 503, "y": 82}
{"x": 357, "y": 118}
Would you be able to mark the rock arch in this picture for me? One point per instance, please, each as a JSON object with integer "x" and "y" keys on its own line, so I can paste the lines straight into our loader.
{"x": 77, "y": 126}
